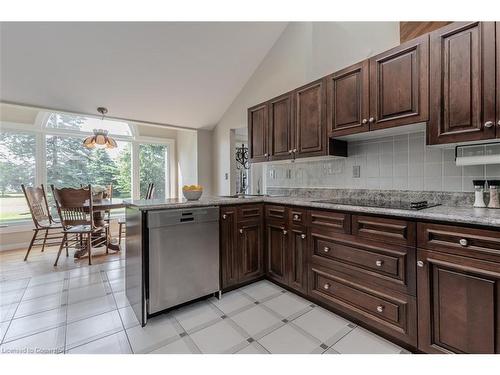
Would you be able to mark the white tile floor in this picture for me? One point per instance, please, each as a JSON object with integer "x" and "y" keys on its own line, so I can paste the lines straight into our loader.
{"x": 87, "y": 312}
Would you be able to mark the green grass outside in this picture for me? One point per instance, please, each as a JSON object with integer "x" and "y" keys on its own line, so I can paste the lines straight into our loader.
{"x": 13, "y": 208}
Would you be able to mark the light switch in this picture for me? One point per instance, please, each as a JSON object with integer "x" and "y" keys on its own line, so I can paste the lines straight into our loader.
{"x": 356, "y": 171}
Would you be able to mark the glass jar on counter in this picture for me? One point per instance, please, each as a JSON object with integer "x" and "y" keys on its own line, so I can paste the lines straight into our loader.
{"x": 493, "y": 185}
{"x": 479, "y": 193}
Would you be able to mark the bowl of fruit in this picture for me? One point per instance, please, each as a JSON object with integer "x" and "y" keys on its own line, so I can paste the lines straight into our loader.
{"x": 192, "y": 192}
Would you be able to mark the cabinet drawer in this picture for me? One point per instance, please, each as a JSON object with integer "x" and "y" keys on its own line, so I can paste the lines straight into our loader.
{"x": 391, "y": 266}
{"x": 275, "y": 212}
{"x": 298, "y": 216}
{"x": 330, "y": 221}
{"x": 392, "y": 313}
{"x": 394, "y": 231}
{"x": 466, "y": 241}
{"x": 250, "y": 211}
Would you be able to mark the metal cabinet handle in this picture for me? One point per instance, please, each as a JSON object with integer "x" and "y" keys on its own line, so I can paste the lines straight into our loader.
{"x": 266, "y": 154}
{"x": 371, "y": 120}
{"x": 463, "y": 242}
{"x": 326, "y": 249}
{"x": 379, "y": 263}
{"x": 365, "y": 121}
{"x": 488, "y": 124}
{"x": 290, "y": 151}
{"x": 326, "y": 286}
{"x": 295, "y": 217}
{"x": 498, "y": 123}
{"x": 420, "y": 263}
{"x": 224, "y": 216}
{"x": 294, "y": 150}
{"x": 285, "y": 231}
{"x": 241, "y": 230}
{"x": 380, "y": 308}
{"x": 303, "y": 236}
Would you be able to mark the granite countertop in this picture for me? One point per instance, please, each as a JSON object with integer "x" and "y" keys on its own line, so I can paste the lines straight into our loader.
{"x": 464, "y": 215}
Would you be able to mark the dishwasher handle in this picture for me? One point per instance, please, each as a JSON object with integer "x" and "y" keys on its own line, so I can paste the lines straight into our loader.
{"x": 165, "y": 218}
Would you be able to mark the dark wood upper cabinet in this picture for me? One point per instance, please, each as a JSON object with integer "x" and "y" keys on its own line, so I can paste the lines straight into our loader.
{"x": 462, "y": 83}
{"x": 458, "y": 300}
{"x": 310, "y": 119}
{"x": 348, "y": 100}
{"x": 258, "y": 132}
{"x": 281, "y": 134}
{"x": 399, "y": 85}
{"x": 498, "y": 77}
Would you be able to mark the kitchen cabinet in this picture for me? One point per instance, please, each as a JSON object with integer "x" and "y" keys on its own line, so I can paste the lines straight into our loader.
{"x": 458, "y": 304}
{"x": 258, "y": 133}
{"x": 297, "y": 259}
{"x": 241, "y": 244}
{"x": 399, "y": 79}
{"x": 497, "y": 25}
{"x": 281, "y": 127}
{"x": 348, "y": 100}
{"x": 462, "y": 83}
{"x": 277, "y": 249}
{"x": 310, "y": 119}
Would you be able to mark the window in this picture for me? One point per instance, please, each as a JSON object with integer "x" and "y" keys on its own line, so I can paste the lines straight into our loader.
{"x": 50, "y": 151}
{"x": 153, "y": 168}
{"x": 17, "y": 166}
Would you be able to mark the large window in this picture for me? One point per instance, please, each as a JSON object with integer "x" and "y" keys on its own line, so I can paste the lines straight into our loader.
{"x": 51, "y": 151}
{"x": 17, "y": 166}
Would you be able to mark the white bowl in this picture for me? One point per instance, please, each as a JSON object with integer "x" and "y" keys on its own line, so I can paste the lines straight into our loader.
{"x": 192, "y": 195}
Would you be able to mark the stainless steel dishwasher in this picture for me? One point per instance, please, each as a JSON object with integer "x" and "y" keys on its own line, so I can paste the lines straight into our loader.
{"x": 183, "y": 256}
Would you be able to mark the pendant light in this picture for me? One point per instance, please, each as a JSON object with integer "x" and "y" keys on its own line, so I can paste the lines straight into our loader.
{"x": 100, "y": 139}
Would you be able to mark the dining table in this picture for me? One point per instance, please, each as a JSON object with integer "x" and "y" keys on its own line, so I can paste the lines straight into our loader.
{"x": 100, "y": 207}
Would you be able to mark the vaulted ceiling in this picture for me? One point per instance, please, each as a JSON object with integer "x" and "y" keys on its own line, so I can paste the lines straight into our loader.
{"x": 183, "y": 74}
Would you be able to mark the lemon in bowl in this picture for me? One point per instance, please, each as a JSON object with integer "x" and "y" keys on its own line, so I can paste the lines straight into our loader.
{"x": 192, "y": 192}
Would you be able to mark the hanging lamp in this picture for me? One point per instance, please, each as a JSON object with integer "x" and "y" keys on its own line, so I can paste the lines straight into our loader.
{"x": 100, "y": 138}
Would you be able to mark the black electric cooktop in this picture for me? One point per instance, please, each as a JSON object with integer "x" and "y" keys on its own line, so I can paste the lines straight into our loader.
{"x": 400, "y": 205}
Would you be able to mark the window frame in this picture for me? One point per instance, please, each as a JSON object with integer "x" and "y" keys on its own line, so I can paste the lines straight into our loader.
{"x": 41, "y": 131}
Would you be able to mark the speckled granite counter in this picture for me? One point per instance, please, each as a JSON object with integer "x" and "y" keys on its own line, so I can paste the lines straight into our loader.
{"x": 464, "y": 215}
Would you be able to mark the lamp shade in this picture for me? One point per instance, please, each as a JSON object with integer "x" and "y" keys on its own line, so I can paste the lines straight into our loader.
{"x": 99, "y": 139}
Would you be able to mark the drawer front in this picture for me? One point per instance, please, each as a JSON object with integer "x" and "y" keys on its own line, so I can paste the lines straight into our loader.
{"x": 330, "y": 221}
{"x": 275, "y": 212}
{"x": 298, "y": 216}
{"x": 466, "y": 241}
{"x": 393, "y": 231}
{"x": 392, "y": 313}
{"x": 391, "y": 266}
{"x": 249, "y": 211}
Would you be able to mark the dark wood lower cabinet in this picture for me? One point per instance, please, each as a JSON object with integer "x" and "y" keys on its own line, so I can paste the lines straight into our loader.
{"x": 241, "y": 245}
{"x": 297, "y": 259}
{"x": 458, "y": 304}
{"x": 276, "y": 251}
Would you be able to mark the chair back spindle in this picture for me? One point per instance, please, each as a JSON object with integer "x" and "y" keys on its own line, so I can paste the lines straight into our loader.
{"x": 74, "y": 206}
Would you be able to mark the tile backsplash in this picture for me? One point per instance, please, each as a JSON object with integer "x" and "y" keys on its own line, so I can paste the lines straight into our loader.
{"x": 401, "y": 162}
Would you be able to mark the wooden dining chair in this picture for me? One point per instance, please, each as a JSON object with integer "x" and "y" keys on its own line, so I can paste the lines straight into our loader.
{"x": 42, "y": 219}
{"x": 121, "y": 221}
{"x": 75, "y": 210}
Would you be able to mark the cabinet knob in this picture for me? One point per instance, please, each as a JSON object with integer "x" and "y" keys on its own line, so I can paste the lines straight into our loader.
{"x": 285, "y": 231}
{"x": 294, "y": 150}
{"x": 498, "y": 123}
{"x": 326, "y": 286}
{"x": 326, "y": 249}
{"x": 463, "y": 242}
{"x": 488, "y": 124}
{"x": 303, "y": 236}
{"x": 266, "y": 154}
{"x": 290, "y": 151}
{"x": 379, "y": 263}
{"x": 371, "y": 120}
{"x": 365, "y": 121}
{"x": 380, "y": 308}
{"x": 420, "y": 263}
{"x": 224, "y": 216}
{"x": 295, "y": 217}
{"x": 241, "y": 230}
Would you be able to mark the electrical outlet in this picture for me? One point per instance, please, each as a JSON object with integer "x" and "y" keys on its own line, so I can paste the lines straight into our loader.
{"x": 356, "y": 171}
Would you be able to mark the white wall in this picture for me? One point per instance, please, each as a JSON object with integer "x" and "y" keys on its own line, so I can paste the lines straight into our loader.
{"x": 187, "y": 157}
{"x": 205, "y": 161}
{"x": 304, "y": 52}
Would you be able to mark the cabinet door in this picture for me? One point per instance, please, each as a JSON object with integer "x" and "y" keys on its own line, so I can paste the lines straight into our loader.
{"x": 458, "y": 304}
{"x": 498, "y": 77}
{"x": 280, "y": 128}
{"x": 257, "y": 132}
{"x": 462, "y": 83}
{"x": 348, "y": 100}
{"x": 250, "y": 245}
{"x": 228, "y": 245}
{"x": 297, "y": 262}
{"x": 276, "y": 251}
{"x": 310, "y": 119}
{"x": 399, "y": 85}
